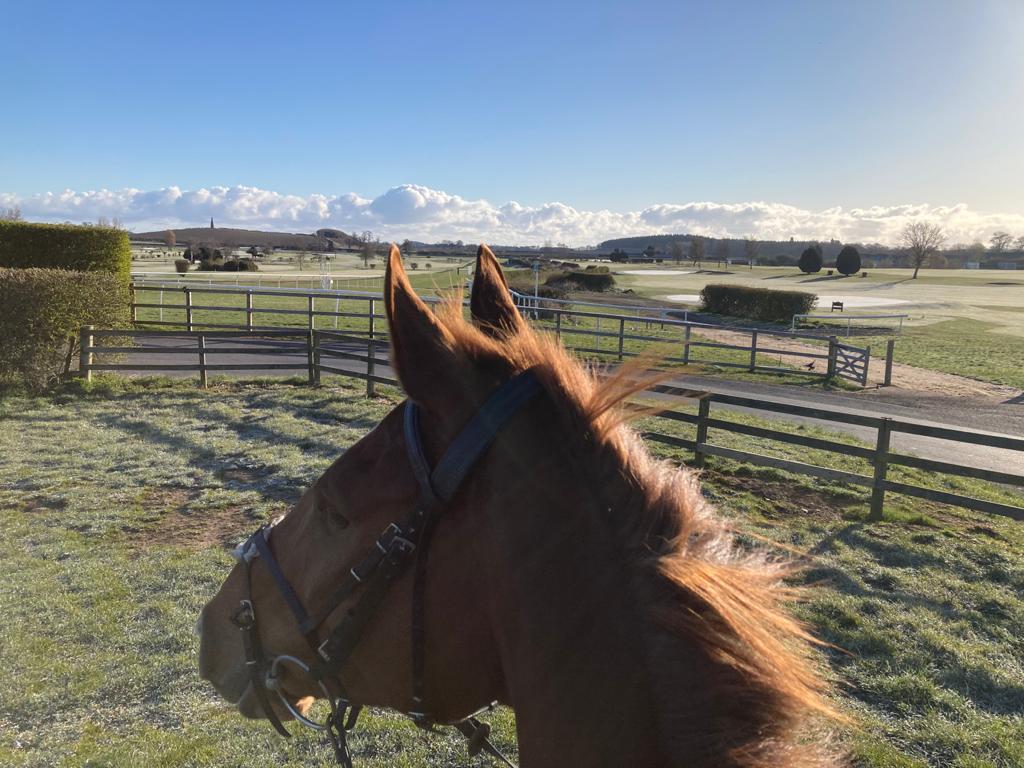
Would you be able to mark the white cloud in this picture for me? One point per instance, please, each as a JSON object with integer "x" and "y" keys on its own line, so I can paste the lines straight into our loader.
{"x": 422, "y": 213}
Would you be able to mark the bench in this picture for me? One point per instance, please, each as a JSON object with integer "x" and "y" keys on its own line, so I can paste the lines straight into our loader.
{"x": 837, "y": 305}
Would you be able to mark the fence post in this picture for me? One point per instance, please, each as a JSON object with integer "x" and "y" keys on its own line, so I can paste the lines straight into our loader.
{"x": 753, "y": 350}
{"x": 889, "y": 349}
{"x": 703, "y": 411}
{"x": 135, "y": 310}
{"x": 316, "y": 358}
{"x": 373, "y": 317}
{"x": 248, "y": 311}
{"x": 622, "y": 332}
{"x": 833, "y": 350}
{"x": 203, "y": 382}
{"x": 188, "y": 309}
{"x": 881, "y": 462}
{"x": 85, "y": 352}
{"x": 686, "y": 345}
{"x": 371, "y": 364}
{"x": 558, "y": 324}
{"x": 867, "y": 363}
{"x": 311, "y": 362}
{"x": 312, "y": 317}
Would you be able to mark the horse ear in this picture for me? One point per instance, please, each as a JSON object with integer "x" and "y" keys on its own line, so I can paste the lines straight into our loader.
{"x": 490, "y": 303}
{"x": 422, "y": 350}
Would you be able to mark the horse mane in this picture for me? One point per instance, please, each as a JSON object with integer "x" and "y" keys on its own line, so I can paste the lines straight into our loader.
{"x": 769, "y": 705}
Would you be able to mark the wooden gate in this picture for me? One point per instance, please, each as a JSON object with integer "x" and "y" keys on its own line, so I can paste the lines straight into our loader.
{"x": 849, "y": 362}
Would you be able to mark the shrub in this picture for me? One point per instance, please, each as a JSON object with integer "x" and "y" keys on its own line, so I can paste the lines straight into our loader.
{"x": 248, "y": 265}
{"x": 182, "y": 265}
{"x": 848, "y": 261}
{"x": 810, "y": 260}
{"x": 415, "y": 265}
{"x": 26, "y": 245}
{"x": 756, "y": 303}
{"x": 41, "y": 313}
{"x": 586, "y": 281}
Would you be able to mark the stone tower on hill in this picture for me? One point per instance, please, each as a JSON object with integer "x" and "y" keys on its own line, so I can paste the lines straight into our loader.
{"x": 211, "y": 222}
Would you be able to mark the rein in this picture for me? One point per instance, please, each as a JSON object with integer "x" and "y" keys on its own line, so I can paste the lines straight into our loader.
{"x": 398, "y": 547}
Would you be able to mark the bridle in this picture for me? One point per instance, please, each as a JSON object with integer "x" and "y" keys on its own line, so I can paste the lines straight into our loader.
{"x": 372, "y": 579}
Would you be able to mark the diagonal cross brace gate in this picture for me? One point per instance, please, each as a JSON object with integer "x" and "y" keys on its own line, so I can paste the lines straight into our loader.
{"x": 848, "y": 362}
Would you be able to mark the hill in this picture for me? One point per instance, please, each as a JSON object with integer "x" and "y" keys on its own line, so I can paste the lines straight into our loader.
{"x": 240, "y": 238}
{"x": 768, "y": 248}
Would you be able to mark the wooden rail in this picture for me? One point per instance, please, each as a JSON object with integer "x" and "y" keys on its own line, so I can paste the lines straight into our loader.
{"x": 323, "y": 351}
{"x": 881, "y": 458}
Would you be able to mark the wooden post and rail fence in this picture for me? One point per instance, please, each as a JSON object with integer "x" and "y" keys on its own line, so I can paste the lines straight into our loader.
{"x": 316, "y": 352}
{"x": 580, "y": 329}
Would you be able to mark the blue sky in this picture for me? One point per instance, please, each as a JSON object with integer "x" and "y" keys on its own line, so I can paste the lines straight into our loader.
{"x": 613, "y": 108}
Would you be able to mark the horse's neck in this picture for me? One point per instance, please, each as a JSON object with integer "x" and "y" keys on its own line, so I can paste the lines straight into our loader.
{"x": 572, "y": 636}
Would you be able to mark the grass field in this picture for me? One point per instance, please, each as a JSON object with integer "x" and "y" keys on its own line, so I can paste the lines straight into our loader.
{"x": 967, "y": 322}
{"x": 115, "y": 525}
{"x": 285, "y": 269}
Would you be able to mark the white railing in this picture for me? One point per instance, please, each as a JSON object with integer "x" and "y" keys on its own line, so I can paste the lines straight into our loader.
{"x": 256, "y": 279}
{"x": 527, "y": 302}
{"x": 849, "y": 320}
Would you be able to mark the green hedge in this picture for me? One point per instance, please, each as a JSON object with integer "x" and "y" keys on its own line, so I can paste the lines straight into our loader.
{"x": 26, "y": 245}
{"x": 582, "y": 280}
{"x": 41, "y": 313}
{"x": 756, "y": 303}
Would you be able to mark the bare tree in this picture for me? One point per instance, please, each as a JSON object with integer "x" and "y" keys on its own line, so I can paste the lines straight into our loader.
{"x": 10, "y": 214}
{"x": 367, "y": 253}
{"x": 678, "y": 251}
{"x": 698, "y": 250}
{"x": 751, "y": 248}
{"x": 1020, "y": 243}
{"x": 722, "y": 250}
{"x": 921, "y": 239}
{"x": 1001, "y": 241}
{"x": 170, "y": 240}
{"x": 301, "y": 258}
{"x": 407, "y": 248}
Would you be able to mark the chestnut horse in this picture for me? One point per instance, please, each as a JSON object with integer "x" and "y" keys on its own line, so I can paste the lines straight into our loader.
{"x": 571, "y": 575}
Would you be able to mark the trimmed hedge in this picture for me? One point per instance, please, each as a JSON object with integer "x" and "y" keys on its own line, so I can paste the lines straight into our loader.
{"x": 811, "y": 260}
{"x": 848, "y": 261}
{"x": 756, "y": 303}
{"x": 587, "y": 281}
{"x": 27, "y": 245}
{"x": 41, "y": 313}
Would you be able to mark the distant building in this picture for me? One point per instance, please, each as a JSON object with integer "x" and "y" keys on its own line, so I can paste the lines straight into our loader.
{"x": 972, "y": 265}
{"x": 211, "y": 222}
{"x": 1008, "y": 264}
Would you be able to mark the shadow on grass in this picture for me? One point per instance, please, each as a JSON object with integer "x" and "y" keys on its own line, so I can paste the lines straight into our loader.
{"x": 205, "y": 458}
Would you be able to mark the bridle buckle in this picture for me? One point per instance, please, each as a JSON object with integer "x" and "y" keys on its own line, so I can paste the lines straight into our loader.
{"x": 245, "y": 617}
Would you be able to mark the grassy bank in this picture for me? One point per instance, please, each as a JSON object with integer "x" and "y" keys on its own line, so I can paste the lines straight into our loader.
{"x": 115, "y": 528}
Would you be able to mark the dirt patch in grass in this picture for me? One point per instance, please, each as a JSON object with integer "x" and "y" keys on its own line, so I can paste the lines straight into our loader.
{"x": 171, "y": 520}
{"x": 787, "y": 499}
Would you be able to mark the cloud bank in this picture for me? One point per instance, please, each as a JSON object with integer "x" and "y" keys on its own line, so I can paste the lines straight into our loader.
{"x": 421, "y": 213}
